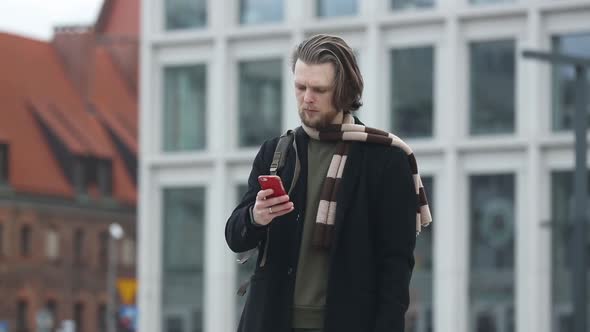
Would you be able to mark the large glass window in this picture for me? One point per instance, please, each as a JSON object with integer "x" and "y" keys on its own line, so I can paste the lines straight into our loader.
{"x": 405, "y": 4}
{"x": 492, "y": 253}
{"x": 185, "y": 101}
{"x": 412, "y": 77}
{"x": 333, "y": 8}
{"x": 185, "y": 14}
{"x": 260, "y": 101}
{"x": 564, "y": 79}
{"x": 419, "y": 315}
{"x": 261, "y": 11}
{"x": 183, "y": 259}
{"x": 562, "y": 208}
{"x": 493, "y": 87}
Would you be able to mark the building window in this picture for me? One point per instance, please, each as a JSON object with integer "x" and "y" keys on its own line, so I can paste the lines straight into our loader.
{"x": 335, "y": 8}
{"x": 260, "y": 101}
{"x": 493, "y": 87}
{"x": 185, "y": 14}
{"x": 101, "y": 318}
{"x": 25, "y": 240}
{"x": 492, "y": 253}
{"x": 405, "y": 4}
{"x": 78, "y": 246}
{"x": 184, "y": 111}
{"x": 564, "y": 79}
{"x": 79, "y": 317}
{"x": 52, "y": 310}
{"x": 128, "y": 252}
{"x": 419, "y": 316}
{"x": 103, "y": 249}
{"x": 22, "y": 313}
{"x": 261, "y": 11}
{"x": 4, "y": 164}
{"x": 104, "y": 177}
{"x": 183, "y": 257}
{"x": 412, "y": 102}
{"x": 52, "y": 244}
{"x": 2, "y": 242}
{"x": 562, "y": 211}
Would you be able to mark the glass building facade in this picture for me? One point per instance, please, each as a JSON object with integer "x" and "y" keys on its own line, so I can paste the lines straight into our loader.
{"x": 490, "y": 129}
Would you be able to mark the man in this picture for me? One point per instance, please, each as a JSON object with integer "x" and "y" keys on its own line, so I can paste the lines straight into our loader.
{"x": 336, "y": 253}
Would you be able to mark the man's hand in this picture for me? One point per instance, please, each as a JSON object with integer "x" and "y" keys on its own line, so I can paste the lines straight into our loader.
{"x": 265, "y": 210}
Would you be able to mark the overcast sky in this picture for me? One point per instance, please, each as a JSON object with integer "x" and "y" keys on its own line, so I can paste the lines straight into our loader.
{"x": 36, "y": 18}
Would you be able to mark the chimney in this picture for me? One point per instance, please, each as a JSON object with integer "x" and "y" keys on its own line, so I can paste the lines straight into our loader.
{"x": 75, "y": 47}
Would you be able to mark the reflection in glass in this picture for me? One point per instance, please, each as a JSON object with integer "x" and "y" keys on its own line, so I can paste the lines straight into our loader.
{"x": 412, "y": 78}
{"x": 185, "y": 14}
{"x": 562, "y": 208}
{"x": 419, "y": 314}
{"x": 334, "y": 8}
{"x": 405, "y": 4}
{"x": 261, "y": 11}
{"x": 493, "y": 76}
{"x": 183, "y": 259}
{"x": 492, "y": 254}
{"x": 260, "y": 101}
{"x": 564, "y": 79}
{"x": 184, "y": 108}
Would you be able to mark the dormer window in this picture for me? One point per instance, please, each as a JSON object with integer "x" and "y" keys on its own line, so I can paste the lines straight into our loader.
{"x": 92, "y": 173}
{"x": 3, "y": 163}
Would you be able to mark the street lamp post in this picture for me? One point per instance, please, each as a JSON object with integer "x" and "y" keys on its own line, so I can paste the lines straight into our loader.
{"x": 578, "y": 255}
{"x": 116, "y": 233}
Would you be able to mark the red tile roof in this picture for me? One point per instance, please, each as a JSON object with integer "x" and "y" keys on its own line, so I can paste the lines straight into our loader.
{"x": 37, "y": 95}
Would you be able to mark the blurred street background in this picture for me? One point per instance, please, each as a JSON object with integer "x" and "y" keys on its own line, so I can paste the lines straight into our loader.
{"x": 128, "y": 129}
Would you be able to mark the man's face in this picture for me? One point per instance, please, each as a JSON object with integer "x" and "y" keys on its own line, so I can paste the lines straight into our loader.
{"x": 314, "y": 89}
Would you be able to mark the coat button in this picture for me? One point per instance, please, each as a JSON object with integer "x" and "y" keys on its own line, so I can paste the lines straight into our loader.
{"x": 290, "y": 271}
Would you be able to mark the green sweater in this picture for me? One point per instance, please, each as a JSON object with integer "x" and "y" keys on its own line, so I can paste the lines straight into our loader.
{"x": 312, "y": 270}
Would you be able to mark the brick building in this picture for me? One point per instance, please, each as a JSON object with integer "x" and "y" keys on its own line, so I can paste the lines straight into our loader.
{"x": 68, "y": 159}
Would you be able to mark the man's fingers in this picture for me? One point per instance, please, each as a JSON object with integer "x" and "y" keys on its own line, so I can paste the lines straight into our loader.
{"x": 262, "y": 194}
{"x": 281, "y": 207}
{"x": 272, "y": 201}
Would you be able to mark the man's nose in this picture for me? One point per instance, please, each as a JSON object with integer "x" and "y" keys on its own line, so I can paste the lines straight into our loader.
{"x": 308, "y": 96}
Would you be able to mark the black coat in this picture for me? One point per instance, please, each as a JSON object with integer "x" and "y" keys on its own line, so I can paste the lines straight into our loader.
{"x": 371, "y": 257}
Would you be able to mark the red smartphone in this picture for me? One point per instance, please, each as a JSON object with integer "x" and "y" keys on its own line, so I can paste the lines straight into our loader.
{"x": 272, "y": 182}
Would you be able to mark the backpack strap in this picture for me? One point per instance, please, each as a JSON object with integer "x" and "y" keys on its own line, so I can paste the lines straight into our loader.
{"x": 276, "y": 166}
{"x": 279, "y": 157}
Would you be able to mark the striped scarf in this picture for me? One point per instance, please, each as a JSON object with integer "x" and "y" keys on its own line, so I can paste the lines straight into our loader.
{"x": 345, "y": 133}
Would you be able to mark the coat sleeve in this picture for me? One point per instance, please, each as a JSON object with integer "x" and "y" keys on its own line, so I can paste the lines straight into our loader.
{"x": 240, "y": 233}
{"x": 396, "y": 242}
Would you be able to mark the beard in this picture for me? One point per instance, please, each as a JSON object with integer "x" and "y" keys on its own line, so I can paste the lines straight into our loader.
{"x": 318, "y": 120}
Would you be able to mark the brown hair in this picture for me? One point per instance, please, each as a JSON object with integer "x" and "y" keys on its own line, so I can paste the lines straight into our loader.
{"x": 320, "y": 49}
